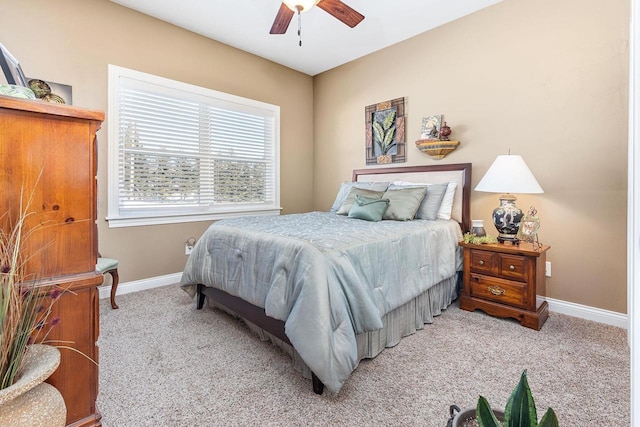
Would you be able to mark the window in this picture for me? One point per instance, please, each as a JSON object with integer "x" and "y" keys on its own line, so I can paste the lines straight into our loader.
{"x": 182, "y": 153}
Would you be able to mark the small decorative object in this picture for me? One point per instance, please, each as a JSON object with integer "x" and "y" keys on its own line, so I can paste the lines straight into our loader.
{"x": 11, "y": 68}
{"x": 434, "y": 138}
{"x": 508, "y": 174}
{"x": 431, "y": 127}
{"x": 50, "y": 91}
{"x": 477, "y": 227}
{"x": 445, "y": 131}
{"x": 529, "y": 226}
{"x": 384, "y": 132}
{"x": 17, "y": 91}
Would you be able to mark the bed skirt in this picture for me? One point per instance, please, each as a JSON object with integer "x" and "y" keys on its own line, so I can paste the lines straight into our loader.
{"x": 404, "y": 320}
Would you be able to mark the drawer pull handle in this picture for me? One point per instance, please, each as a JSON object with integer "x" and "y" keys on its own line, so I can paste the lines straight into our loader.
{"x": 512, "y": 267}
{"x": 496, "y": 290}
{"x": 481, "y": 262}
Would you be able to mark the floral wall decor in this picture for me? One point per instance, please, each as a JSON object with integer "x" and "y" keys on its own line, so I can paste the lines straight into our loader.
{"x": 384, "y": 132}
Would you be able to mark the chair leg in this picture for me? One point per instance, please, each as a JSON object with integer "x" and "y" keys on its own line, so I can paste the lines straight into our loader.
{"x": 114, "y": 287}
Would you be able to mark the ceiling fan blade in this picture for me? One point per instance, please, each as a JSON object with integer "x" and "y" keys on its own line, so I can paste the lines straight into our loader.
{"x": 283, "y": 18}
{"x": 341, "y": 11}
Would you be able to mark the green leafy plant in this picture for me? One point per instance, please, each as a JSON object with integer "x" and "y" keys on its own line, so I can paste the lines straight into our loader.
{"x": 384, "y": 132}
{"x": 478, "y": 240}
{"x": 520, "y": 410}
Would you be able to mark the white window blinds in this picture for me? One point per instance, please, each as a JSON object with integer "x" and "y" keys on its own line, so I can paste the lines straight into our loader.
{"x": 184, "y": 153}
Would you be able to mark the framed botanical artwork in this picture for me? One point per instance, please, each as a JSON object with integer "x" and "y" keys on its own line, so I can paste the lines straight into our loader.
{"x": 384, "y": 132}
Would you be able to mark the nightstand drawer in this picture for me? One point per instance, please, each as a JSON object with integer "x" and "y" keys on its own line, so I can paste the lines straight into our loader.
{"x": 484, "y": 262}
{"x": 513, "y": 267}
{"x": 498, "y": 290}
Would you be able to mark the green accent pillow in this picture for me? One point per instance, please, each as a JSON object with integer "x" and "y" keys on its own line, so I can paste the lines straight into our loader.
{"x": 368, "y": 208}
{"x": 345, "y": 207}
{"x": 346, "y": 186}
{"x": 403, "y": 203}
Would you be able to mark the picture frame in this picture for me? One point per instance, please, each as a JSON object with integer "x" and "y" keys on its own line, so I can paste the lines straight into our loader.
{"x": 385, "y": 132}
{"x": 11, "y": 68}
{"x": 529, "y": 227}
{"x": 431, "y": 126}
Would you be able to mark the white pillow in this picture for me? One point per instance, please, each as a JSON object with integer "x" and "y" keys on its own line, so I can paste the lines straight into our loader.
{"x": 446, "y": 206}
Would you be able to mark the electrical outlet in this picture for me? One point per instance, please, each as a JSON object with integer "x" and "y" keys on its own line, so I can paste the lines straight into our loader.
{"x": 547, "y": 269}
{"x": 188, "y": 245}
{"x": 188, "y": 248}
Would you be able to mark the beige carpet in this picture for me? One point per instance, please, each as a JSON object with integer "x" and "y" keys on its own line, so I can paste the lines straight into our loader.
{"x": 164, "y": 363}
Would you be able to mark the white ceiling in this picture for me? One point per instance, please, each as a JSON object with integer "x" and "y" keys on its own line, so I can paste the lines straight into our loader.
{"x": 326, "y": 42}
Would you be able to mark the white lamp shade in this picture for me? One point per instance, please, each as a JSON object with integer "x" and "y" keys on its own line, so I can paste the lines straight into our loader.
{"x": 509, "y": 174}
{"x": 305, "y": 4}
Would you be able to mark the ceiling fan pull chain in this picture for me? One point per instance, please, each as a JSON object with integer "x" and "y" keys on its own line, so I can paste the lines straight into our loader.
{"x": 299, "y": 27}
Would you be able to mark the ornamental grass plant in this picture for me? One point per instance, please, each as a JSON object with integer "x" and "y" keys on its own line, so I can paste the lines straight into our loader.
{"x": 25, "y": 307}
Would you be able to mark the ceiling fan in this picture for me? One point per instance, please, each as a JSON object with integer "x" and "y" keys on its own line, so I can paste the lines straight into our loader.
{"x": 335, "y": 8}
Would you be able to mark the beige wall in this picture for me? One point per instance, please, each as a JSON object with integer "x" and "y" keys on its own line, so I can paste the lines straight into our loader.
{"x": 72, "y": 41}
{"x": 545, "y": 79}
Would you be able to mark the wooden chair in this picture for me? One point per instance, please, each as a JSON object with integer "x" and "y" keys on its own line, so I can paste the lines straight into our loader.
{"x": 110, "y": 265}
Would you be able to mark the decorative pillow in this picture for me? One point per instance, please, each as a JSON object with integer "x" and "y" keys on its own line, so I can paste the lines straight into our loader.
{"x": 403, "y": 203}
{"x": 345, "y": 207}
{"x": 446, "y": 207}
{"x": 346, "y": 187}
{"x": 368, "y": 208}
{"x": 431, "y": 203}
{"x": 447, "y": 202}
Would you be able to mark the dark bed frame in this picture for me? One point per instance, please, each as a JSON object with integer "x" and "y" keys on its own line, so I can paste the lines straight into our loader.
{"x": 275, "y": 327}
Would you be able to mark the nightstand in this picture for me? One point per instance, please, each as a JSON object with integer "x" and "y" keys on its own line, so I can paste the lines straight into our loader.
{"x": 505, "y": 281}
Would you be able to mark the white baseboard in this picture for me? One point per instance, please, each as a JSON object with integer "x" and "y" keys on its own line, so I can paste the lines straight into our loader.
{"x": 557, "y": 306}
{"x": 589, "y": 313}
{"x": 141, "y": 285}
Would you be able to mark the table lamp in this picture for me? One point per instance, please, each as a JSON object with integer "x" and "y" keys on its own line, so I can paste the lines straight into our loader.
{"x": 507, "y": 175}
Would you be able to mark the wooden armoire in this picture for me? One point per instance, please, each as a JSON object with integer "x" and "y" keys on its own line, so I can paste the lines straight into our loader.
{"x": 49, "y": 151}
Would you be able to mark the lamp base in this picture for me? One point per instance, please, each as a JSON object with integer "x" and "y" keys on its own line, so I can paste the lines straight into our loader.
{"x": 513, "y": 240}
{"x": 507, "y": 218}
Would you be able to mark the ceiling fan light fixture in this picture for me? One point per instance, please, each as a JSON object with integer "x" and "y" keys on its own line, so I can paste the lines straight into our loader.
{"x": 304, "y": 5}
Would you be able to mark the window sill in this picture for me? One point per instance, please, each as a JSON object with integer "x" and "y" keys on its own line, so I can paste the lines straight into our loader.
{"x": 120, "y": 222}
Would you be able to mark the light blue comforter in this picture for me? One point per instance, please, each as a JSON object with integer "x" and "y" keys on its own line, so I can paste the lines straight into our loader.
{"x": 329, "y": 277}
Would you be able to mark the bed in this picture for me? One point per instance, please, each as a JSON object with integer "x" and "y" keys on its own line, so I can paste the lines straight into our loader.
{"x": 331, "y": 289}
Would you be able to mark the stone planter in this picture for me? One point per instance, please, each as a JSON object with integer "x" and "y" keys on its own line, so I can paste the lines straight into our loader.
{"x": 467, "y": 417}
{"x": 30, "y": 401}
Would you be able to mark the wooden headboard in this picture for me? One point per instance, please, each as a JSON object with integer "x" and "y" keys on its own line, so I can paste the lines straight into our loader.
{"x": 429, "y": 174}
